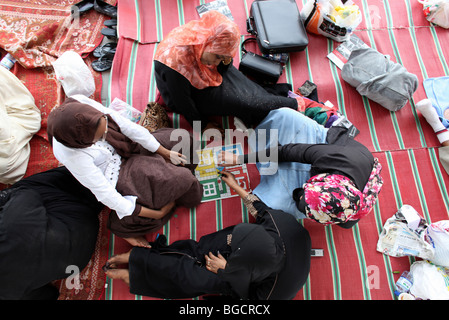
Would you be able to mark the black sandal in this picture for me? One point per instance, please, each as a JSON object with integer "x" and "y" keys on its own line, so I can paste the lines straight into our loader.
{"x": 81, "y": 7}
{"x": 104, "y": 62}
{"x": 102, "y": 50}
{"x": 111, "y": 23}
{"x": 105, "y": 8}
{"x": 110, "y": 33}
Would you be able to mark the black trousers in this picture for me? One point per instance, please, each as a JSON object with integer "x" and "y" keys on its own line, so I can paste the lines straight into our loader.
{"x": 178, "y": 271}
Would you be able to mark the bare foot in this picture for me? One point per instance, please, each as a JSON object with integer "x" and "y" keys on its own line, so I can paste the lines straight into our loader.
{"x": 118, "y": 259}
{"x": 138, "y": 242}
{"x": 119, "y": 274}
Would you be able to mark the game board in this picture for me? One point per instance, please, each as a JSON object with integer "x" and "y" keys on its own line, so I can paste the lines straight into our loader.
{"x": 209, "y": 173}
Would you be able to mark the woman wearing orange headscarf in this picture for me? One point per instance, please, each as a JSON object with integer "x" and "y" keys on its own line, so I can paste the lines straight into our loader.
{"x": 196, "y": 78}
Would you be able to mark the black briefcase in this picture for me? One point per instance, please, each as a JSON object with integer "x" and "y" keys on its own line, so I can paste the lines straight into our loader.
{"x": 278, "y": 26}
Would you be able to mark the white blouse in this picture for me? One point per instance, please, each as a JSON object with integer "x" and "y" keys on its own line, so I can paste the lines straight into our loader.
{"x": 97, "y": 167}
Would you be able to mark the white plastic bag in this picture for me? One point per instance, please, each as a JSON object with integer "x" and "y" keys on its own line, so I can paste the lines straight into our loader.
{"x": 437, "y": 234}
{"x": 331, "y": 18}
{"x": 403, "y": 235}
{"x": 429, "y": 281}
{"x": 436, "y": 11}
{"x": 74, "y": 75}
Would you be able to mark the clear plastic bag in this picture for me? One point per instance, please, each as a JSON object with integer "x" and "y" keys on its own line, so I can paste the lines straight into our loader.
{"x": 429, "y": 281}
{"x": 436, "y": 11}
{"x": 74, "y": 75}
{"x": 125, "y": 110}
{"x": 331, "y": 18}
{"x": 438, "y": 235}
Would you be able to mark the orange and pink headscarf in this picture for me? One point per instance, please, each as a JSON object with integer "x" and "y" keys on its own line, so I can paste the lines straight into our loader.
{"x": 183, "y": 47}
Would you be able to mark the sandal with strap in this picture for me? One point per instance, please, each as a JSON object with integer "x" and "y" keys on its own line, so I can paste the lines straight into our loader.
{"x": 105, "y": 8}
{"x": 110, "y": 33}
{"x": 110, "y": 23}
{"x": 102, "y": 50}
{"x": 104, "y": 62}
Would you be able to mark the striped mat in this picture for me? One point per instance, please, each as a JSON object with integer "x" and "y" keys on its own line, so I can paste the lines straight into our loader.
{"x": 351, "y": 268}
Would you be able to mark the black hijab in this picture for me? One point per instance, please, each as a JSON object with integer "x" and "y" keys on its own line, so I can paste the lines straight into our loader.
{"x": 255, "y": 257}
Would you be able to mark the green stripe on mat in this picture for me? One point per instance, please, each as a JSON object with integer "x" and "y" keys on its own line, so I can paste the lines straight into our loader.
{"x": 366, "y": 12}
{"x": 414, "y": 40}
{"x": 334, "y": 262}
{"x": 394, "y": 182}
{"x": 366, "y": 104}
{"x": 422, "y": 67}
{"x": 153, "y": 86}
{"x": 390, "y": 27}
{"x": 439, "y": 176}
{"x": 192, "y": 219}
{"x": 362, "y": 262}
{"x": 419, "y": 187}
{"x": 131, "y": 71}
{"x": 138, "y": 21}
{"x": 335, "y": 76}
{"x": 181, "y": 12}
{"x": 307, "y": 286}
{"x": 372, "y": 127}
{"x": 439, "y": 50}
{"x": 398, "y": 198}
{"x": 160, "y": 32}
{"x": 386, "y": 258}
{"x": 109, "y": 283}
{"x": 218, "y": 215}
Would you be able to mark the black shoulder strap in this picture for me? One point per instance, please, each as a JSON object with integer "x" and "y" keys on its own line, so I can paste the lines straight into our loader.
{"x": 245, "y": 42}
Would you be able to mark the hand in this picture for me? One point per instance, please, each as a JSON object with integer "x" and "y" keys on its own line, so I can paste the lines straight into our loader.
{"x": 154, "y": 213}
{"x": 229, "y": 179}
{"x": 172, "y": 156}
{"x": 227, "y": 159}
{"x": 167, "y": 208}
{"x": 177, "y": 158}
{"x": 213, "y": 263}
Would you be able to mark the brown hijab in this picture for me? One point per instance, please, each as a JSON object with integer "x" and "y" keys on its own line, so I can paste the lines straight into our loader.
{"x": 74, "y": 125}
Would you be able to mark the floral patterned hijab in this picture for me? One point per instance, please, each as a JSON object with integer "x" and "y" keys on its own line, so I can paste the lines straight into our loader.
{"x": 183, "y": 47}
{"x": 333, "y": 199}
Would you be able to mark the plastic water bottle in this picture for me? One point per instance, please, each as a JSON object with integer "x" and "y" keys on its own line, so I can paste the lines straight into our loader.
{"x": 281, "y": 57}
{"x": 8, "y": 61}
{"x": 404, "y": 283}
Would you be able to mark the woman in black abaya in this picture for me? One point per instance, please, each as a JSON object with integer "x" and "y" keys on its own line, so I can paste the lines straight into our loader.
{"x": 269, "y": 259}
{"x": 48, "y": 222}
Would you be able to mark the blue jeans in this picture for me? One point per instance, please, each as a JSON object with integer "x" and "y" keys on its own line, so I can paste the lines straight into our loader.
{"x": 278, "y": 180}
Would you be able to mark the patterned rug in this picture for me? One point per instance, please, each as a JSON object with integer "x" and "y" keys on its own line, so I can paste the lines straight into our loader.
{"x": 36, "y": 32}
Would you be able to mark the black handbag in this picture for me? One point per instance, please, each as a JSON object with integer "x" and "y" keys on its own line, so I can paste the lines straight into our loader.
{"x": 258, "y": 68}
